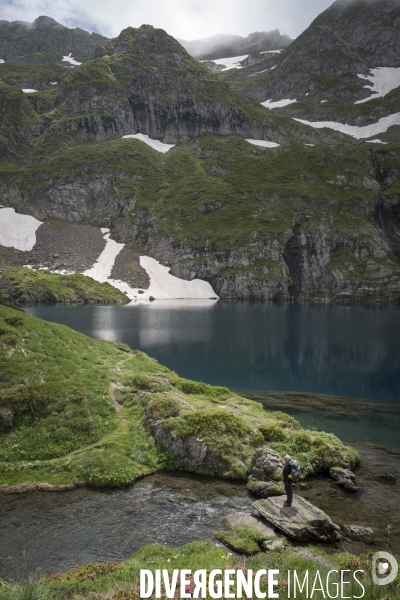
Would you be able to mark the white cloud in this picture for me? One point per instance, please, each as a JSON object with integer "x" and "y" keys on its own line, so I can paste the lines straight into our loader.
{"x": 186, "y": 19}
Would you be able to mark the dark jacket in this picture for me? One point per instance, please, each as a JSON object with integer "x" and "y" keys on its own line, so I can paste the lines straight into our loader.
{"x": 287, "y": 470}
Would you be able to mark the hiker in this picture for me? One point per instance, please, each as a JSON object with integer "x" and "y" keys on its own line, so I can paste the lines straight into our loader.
{"x": 288, "y": 480}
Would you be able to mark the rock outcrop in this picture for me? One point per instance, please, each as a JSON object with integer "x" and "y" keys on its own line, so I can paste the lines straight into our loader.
{"x": 302, "y": 521}
{"x": 344, "y": 478}
{"x": 267, "y": 464}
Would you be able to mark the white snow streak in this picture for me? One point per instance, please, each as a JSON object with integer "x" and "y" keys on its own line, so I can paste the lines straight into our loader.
{"x": 17, "y": 231}
{"x": 357, "y": 132}
{"x": 163, "y": 286}
{"x": 2, "y": 61}
{"x": 383, "y": 79}
{"x": 155, "y": 144}
{"x": 53, "y": 82}
{"x": 376, "y": 142}
{"x": 102, "y": 268}
{"x": 279, "y": 103}
{"x": 263, "y": 143}
{"x": 72, "y": 61}
{"x": 231, "y": 62}
{"x": 272, "y": 51}
{"x": 29, "y": 91}
{"x": 265, "y": 70}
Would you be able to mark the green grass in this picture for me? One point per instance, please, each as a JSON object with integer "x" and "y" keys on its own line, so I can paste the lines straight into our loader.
{"x": 26, "y": 285}
{"x": 105, "y": 581}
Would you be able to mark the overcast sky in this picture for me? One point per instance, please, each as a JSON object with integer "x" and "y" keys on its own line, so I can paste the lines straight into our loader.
{"x": 186, "y": 19}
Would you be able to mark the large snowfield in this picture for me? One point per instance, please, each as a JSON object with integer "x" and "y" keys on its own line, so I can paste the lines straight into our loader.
{"x": 383, "y": 80}
{"x": 359, "y": 133}
{"x": 231, "y": 62}
{"x": 155, "y": 144}
{"x": 17, "y": 231}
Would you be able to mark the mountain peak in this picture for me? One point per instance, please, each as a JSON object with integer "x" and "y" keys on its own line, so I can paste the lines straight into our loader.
{"x": 43, "y": 22}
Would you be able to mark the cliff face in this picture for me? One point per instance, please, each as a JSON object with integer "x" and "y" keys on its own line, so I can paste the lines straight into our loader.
{"x": 288, "y": 223}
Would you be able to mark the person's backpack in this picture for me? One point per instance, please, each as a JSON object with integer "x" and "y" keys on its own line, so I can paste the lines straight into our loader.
{"x": 296, "y": 471}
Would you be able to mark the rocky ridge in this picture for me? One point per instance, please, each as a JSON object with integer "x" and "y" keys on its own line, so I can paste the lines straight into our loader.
{"x": 223, "y": 46}
{"x": 46, "y": 42}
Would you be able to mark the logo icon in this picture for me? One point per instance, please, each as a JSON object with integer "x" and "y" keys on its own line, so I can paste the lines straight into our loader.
{"x": 384, "y": 563}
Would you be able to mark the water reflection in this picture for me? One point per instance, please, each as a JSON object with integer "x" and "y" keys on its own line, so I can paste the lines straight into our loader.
{"x": 348, "y": 351}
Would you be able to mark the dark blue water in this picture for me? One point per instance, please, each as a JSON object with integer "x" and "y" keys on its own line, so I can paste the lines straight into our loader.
{"x": 346, "y": 351}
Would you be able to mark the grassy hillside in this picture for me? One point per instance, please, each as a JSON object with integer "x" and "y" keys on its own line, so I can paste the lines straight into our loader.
{"x": 74, "y": 409}
{"x": 26, "y": 285}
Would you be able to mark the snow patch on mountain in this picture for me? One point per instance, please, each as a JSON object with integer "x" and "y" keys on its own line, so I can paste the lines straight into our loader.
{"x": 383, "y": 79}
{"x": 163, "y": 286}
{"x": 71, "y": 60}
{"x": 272, "y": 51}
{"x": 28, "y": 91}
{"x": 278, "y": 103}
{"x": 263, "y": 143}
{"x": 357, "y": 132}
{"x": 230, "y": 63}
{"x": 265, "y": 70}
{"x": 155, "y": 144}
{"x": 17, "y": 231}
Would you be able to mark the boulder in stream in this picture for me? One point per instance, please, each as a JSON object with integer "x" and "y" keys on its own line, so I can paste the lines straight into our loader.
{"x": 265, "y": 489}
{"x": 302, "y": 521}
{"x": 358, "y": 533}
{"x": 344, "y": 477}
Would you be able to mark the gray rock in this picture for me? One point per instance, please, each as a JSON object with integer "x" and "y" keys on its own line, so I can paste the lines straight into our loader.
{"x": 266, "y": 463}
{"x": 387, "y": 477}
{"x": 344, "y": 478}
{"x": 302, "y": 521}
{"x": 270, "y": 545}
{"x": 358, "y": 532}
{"x": 6, "y": 419}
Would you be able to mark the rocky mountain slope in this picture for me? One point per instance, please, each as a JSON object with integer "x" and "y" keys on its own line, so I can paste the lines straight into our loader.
{"x": 46, "y": 42}
{"x": 222, "y": 46}
{"x": 251, "y": 200}
{"x": 348, "y": 39}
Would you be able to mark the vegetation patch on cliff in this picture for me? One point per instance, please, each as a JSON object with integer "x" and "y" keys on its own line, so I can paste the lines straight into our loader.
{"x": 26, "y": 285}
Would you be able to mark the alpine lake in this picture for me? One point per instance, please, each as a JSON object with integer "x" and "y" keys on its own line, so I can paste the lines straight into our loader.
{"x": 334, "y": 368}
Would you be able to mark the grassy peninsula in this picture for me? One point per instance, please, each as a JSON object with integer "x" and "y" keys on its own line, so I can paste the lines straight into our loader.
{"x": 77, "y": 410}
{"x": 26, "y": 285}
